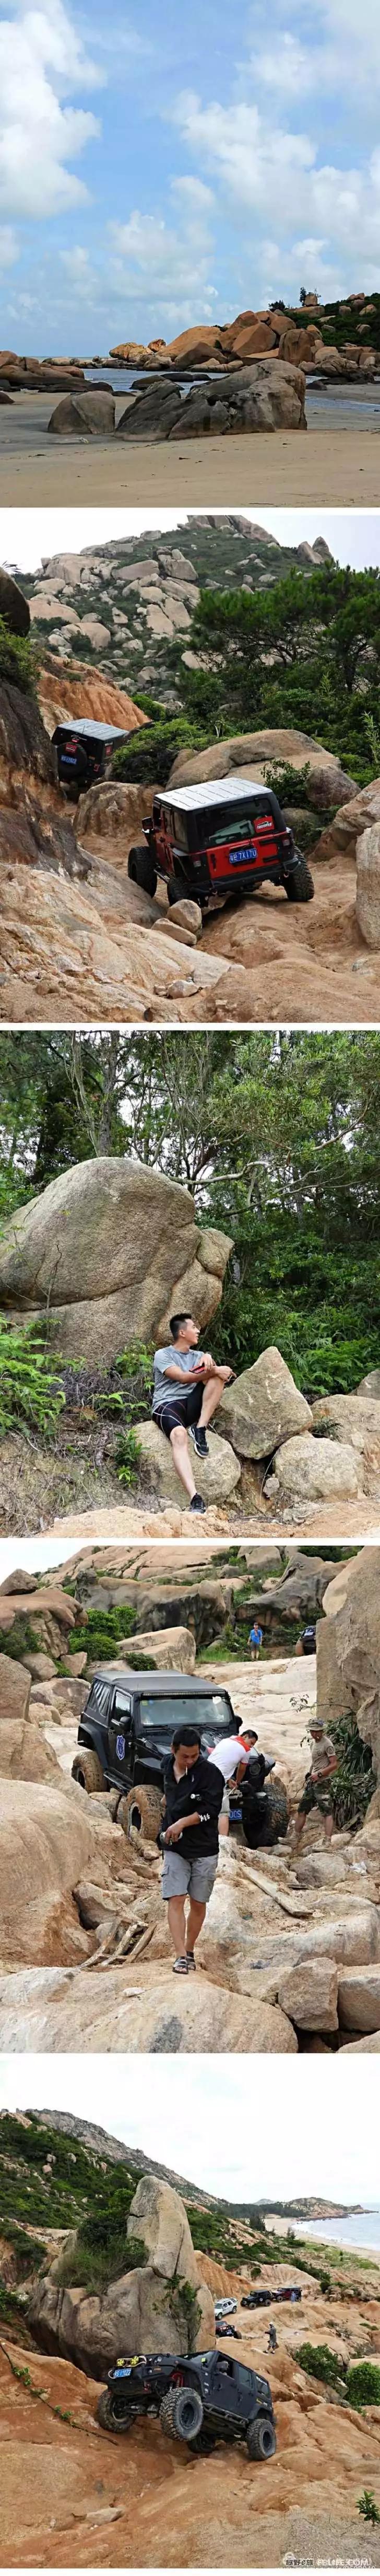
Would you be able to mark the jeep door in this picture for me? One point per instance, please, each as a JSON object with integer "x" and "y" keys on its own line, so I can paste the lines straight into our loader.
{"x": 229, "y": 2387}
{"x": 120, "y": 1736}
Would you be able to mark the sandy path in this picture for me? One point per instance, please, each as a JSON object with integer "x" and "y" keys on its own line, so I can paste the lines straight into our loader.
{"x": 326, "y": 468}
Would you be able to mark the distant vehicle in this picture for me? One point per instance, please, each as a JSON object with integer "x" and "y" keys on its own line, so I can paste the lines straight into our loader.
{"x": 83, "y": 750}
{"x": 225, "y": 2307}
{"x": 268, "y": 2298}
{"x": 223, "y": 2327}
{"x": 223, "y": 837}
{"x": 203, "y": 2399}
{"x": 124, "y": 1738}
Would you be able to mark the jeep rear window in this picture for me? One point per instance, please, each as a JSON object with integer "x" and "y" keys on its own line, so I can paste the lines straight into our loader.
{"x": 100, "y": 1693}
{"x": 228, "y": 823}
{"x": 214, "y": 1711}
{"x": 180, "y": 829}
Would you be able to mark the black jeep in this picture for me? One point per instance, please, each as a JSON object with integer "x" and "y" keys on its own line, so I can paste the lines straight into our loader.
{"x": 124, "y": 1738}
{"x": 202, "y": 2400}
{"x": 224, "y": 837}
{"x": 83, "y": 752}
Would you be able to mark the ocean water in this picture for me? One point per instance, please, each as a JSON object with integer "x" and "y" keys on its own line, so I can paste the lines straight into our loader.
{"x": 363, "y": 2233}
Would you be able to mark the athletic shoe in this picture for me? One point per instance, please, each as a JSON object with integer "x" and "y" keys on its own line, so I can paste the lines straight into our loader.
{"x": 196, "y": 1504}
{"x": 198, "y": 1435}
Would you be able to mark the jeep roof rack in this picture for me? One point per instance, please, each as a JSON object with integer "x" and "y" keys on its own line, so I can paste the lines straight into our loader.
{"x": 182, "y": 1683}
{"x": 213, "y": 791}
{"x": 97, "y": 732}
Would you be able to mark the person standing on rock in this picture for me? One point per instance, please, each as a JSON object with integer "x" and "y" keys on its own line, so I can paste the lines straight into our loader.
{"x": 255, "y": 1641}
{"x": 189, "y": 1840}
{"x": 318, "y": 1784}
{"x": 188, "y": 1385}
{"x": 230, "y": 1756}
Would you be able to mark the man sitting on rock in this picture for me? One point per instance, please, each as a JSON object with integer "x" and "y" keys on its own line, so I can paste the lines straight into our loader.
{"x": 189, "y": 1840}
{"x": 318, "y": 1784}
{"x": 188, "y": 1385}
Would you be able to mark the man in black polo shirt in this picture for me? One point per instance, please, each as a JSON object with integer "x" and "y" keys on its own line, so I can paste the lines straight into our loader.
{"x": 189, "y": 1838}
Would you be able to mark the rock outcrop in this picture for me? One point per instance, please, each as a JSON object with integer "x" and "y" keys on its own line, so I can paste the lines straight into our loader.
{"x": 84, "y": 415}
{"x": 368, "y": 886}
{"x": 268, "y": 395}
{"x": 353, "y": 1649}
{"x": 129, "y": 1237}
{"x": 144, "y": 2309}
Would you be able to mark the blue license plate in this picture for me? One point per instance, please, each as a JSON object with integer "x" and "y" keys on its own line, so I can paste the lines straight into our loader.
{"x": 120, "y": 1748}
{"x": 125, "y": 2373}
{"x": 236, "y": 1815}
{"x": 243, "y": 858}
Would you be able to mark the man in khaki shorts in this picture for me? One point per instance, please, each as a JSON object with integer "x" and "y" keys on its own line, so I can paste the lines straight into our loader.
{"x": 317, "y": 1791}
{"x": 189, "y": 1840}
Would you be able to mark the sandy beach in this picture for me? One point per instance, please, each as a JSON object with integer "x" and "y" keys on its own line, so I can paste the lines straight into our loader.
{"x": 328, "y": 467}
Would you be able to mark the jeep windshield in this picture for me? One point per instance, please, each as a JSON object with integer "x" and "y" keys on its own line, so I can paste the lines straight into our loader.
{"x": 212, "y": 1712}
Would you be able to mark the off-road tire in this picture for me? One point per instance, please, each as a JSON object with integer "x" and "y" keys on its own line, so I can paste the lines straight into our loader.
{"x": 140, "y": 1814}
{"x": 261, "y": 2438}
{"x": 141, "y": 870}
{"x": 176, "y": 890}
{"x": 87, "y": 1770}
{"x": 181, "y": 2414}
{"x": 278, "y": 1813}
{"x": 299, "y": 886}
{"x": 276, "y": 1822}
{"x": 111, "y": 2421}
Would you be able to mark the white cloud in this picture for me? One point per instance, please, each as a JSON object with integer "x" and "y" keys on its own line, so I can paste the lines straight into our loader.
{"x": 342, "y": 53}
{"x": 82, "y": 277}
{"x": 8, "y": 246}
{"x": 167, "y": 267}
{"x": 262, "y": 165}
{"x": 42, "y": 62}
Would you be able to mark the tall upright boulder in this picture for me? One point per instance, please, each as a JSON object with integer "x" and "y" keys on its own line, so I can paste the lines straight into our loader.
{"x": 158, "y": 2304}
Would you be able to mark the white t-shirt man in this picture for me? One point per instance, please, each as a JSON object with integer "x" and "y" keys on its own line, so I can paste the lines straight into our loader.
{"x": 228, "y": 1753}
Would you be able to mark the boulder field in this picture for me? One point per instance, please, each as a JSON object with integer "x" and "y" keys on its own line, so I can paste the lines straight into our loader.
{"x": 264, "y": 396}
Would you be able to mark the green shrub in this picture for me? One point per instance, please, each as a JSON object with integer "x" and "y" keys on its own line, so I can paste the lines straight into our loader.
{"x": 363, "y": 2383}
{"x": 353, "y": 1783}
{"x": 149, "y": 755}
{"x": 103, "y": 2251}
{"x": 22, "y": 1639}
{"x": 19, "y": 660}
{"x": 30, "y": 1389}
{"x": 367, "y": 2506}
{"x": 322, "y": 2364}
{"x": 100, "y": 1631}
{"x": 128, "y": 1454}
{"x": 185, "y": 2307}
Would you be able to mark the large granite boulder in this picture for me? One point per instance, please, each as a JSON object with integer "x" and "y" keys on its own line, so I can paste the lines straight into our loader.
{"x": 269, "y": 395}
{"x": 368, "y": 885}
{"x": 356, "y": 1646}
{"x": 84, "y": 415}
{"x": 51, "y": 2009}
{"x": 327, "y": 782}
{"x": 355, "y": 1418}
{"x": 116, "y": 1248}
{"x": 217, "y": 1476}
{"x": 14, "y": 1688}
{"x": 47, "y": 1841}
{"x": 13, "y": 606}
{"x": 264, "y": 1407}
{"x": 24, "y": 1752}
{"x": 310, "y": 1470}
{"x": 142, "y": 2311}
{"x": 341, "y": 838}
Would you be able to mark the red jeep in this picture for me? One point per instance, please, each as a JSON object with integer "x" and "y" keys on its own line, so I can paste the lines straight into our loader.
{"x": 221, "y": 838}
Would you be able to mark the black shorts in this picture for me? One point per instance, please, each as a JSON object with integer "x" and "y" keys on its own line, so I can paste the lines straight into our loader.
{"x": 182, "y": 1408}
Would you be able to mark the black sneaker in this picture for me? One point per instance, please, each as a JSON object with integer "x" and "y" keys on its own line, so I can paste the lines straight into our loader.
{"x": 198, "y": 1435}
{"x": 196, "y": 1504}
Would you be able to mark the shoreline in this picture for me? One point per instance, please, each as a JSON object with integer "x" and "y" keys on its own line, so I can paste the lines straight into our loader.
{"x": 325, "y": 467}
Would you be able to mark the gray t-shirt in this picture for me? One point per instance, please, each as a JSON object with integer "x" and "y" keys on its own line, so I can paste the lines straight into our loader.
{"x": 166, "y": 1388}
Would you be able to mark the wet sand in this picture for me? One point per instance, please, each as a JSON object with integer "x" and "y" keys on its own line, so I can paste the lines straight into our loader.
{"x": 329, "y": 466}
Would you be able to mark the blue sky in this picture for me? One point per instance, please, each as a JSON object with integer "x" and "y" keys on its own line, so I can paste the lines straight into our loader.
{"x": 162, "y": 165}
{"x": 238, "y": 2126}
